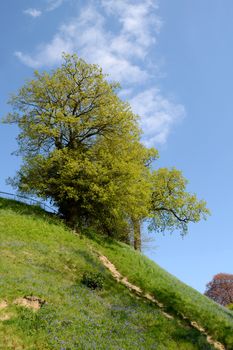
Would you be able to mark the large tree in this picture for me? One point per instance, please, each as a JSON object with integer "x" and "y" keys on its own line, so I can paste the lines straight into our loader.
{"x": 81, "y": 149}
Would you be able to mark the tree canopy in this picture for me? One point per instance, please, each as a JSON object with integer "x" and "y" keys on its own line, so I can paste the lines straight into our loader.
{"x": 172, "y": 207}
{"x": 220, "y": 289}
{"x": 81, "y": 149}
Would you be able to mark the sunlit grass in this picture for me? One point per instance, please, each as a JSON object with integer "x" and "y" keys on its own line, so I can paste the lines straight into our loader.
{"x": 178, "y": 298}
{"x": 41, "y": 257}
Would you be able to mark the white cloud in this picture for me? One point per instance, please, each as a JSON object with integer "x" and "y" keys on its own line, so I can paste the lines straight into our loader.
{"x": 51, "y": 6}
{"x": 138, "y": 19}
{"x": 87, "y": 35}
{"x": 32, "y": 12}
{"x": 122, "y": 52}
{"x": 26, "y": 59}
{"x": 158, "y": 115}
{"x": 46, "y": 53}
{"x": 54, "y": 4}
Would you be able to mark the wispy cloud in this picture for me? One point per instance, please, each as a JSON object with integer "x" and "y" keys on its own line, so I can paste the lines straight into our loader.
{"x": 138, "y": 19}
{"x": 51, "y": 5}
{"x": 54, "y": 4}
{"x": 87, "y": 34}
{"x": 159, "y": 114}
{"x": 32, "y": 12}
{"x": 122, "y": 50}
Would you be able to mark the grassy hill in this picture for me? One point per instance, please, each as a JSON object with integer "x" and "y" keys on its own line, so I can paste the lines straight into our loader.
{"x": 41, "y": 257}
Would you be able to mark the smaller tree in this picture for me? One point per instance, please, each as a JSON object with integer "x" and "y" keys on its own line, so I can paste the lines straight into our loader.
{"x": 220, "y": 289}
{"x": 172, "y": 206}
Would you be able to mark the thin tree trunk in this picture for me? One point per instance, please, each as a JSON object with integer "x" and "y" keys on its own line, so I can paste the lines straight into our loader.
{"x": 137, "y": 234}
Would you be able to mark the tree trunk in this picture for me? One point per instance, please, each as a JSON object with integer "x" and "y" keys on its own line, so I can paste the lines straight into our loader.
{"x": 137, "y": 234}
{"x": 70, "y": 212}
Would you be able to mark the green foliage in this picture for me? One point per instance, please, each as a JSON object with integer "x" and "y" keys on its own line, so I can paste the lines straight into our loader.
{"x": 71, "y": 107}
{"x": 172, "y": 206}
{"x": 93, "y": 280}
{"x": 81, "y": 148}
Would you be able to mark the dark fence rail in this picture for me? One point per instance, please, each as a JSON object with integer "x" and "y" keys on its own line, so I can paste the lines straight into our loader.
{"x": 28, "y": 200}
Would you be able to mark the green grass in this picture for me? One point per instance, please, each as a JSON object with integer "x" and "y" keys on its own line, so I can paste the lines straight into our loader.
{"x": 41, "y": 257}
{"x": 178, "y": 298}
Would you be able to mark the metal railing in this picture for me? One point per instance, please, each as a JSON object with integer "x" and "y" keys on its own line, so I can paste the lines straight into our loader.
{"x": 28, "y": 200}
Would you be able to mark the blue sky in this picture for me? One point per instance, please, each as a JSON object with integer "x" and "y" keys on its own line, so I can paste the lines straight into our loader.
{"x": 174, "y": 62}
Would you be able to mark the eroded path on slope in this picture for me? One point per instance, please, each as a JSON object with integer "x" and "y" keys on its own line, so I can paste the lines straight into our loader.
{"x": 139, "y": 292}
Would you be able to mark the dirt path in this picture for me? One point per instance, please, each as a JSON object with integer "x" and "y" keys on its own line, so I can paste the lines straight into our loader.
{"x": 139, "y": 292}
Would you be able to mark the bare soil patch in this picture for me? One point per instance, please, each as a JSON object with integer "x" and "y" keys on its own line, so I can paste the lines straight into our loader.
{"x": 3, "y": 304}
{"x": 31, "y": 302}
{"x": 6, "y": 316}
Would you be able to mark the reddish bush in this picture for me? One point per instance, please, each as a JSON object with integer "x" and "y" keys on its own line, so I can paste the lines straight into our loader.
{"x": 220, "y": 289}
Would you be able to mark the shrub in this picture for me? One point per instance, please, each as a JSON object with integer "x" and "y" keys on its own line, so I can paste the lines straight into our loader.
{"x": 93, "y": 280}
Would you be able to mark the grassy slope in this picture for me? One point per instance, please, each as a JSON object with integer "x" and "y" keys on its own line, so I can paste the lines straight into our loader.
{"x": 39, "y": 256}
